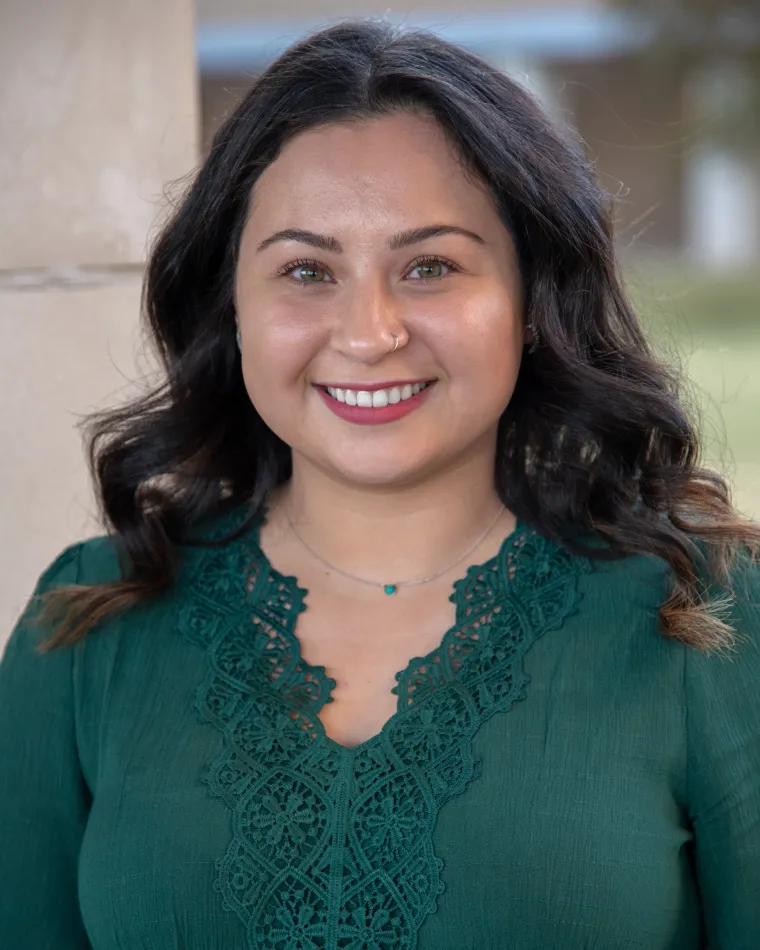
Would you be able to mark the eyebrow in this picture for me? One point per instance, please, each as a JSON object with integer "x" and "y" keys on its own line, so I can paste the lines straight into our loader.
{"x": 402, "y": 239}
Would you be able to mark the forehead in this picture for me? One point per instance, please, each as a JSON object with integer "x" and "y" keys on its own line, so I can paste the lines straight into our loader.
{"x": 398, "y": 166}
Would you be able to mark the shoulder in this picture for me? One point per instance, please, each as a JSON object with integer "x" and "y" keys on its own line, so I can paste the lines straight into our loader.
{"x": 102, "y": 559}
{"x": 93, "y": 561}
{"x": 648, "y": 578}
{"x": 721, "y": 714}
{"x": 621, "y": 591}
{"x": 722, "y": 687}
{"x": 623, "y": 598}
{"x": 84, "y": 562}
{"x": 737, "y": 603}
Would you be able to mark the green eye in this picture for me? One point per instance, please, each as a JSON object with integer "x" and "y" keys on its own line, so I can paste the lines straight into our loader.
{"x": 310, "y": 275}
{"x": 305, "y": 272}
{"x": 434, "y": 269}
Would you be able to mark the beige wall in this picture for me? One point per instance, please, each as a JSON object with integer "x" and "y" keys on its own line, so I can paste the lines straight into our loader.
{"x": 97, "y": 112}
{"x": 96, "y": 115}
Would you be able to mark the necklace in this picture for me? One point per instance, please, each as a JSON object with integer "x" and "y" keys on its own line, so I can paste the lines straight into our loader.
{"x": 393, "y": 588}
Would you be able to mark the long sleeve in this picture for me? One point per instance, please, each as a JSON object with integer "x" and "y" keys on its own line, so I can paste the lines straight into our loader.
{"x": 44, "y": 801}
{"x": 722, "y": 697}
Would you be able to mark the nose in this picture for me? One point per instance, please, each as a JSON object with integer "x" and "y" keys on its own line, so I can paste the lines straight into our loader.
{"x": 365, "y": 321}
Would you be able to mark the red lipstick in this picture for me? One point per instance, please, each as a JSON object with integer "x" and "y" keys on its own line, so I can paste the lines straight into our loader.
{"x": 374, "y": 415}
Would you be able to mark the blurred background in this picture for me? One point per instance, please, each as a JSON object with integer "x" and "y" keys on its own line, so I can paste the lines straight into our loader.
{"x": 106, "y": 107}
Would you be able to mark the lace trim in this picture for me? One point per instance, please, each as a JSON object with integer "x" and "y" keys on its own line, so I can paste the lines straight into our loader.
{"x": 332, "y": 848}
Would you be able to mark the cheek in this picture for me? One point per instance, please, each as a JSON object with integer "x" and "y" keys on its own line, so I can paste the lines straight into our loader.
{"x": 273, "y": 367}
{"x": 481, "y": 345}
{"x": 270, "y": 375}
{"x": 277, "y": 349}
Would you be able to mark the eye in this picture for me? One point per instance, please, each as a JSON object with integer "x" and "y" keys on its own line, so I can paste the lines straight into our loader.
{"x": 304, "y": 272}
{"x": 431, "y": 268}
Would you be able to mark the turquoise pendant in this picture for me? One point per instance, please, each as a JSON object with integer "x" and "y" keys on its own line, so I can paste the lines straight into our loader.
{"x": 390, "y": 589}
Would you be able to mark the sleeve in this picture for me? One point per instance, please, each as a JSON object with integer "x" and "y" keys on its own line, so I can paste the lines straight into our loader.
{"x": 44, "y": 801}
{"x": 722, "y": 695}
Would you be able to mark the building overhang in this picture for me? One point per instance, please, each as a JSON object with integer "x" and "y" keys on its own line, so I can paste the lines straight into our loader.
{"x": 581, "y": 33}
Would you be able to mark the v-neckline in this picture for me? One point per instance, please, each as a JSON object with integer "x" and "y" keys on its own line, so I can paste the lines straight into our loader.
{"x": 276, "y": 767}
{"x": 497, "y": 563}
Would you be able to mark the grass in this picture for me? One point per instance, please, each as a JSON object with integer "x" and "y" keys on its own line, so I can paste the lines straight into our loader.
{"x": 710, "y": 326}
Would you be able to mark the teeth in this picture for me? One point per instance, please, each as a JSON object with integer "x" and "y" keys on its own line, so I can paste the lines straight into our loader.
{"x": 378, "y": 398}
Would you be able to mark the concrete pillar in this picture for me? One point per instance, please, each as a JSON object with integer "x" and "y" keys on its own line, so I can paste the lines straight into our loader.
{"x": 723, "y": 208}
{"x": 721, "y": 182}
{"x": 98, "y": 113}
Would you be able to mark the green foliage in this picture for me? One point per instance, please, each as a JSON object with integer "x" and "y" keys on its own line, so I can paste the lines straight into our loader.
{"x": 708, "y": 325}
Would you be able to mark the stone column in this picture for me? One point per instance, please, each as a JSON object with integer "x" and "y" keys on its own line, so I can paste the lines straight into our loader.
{"x": 721, "y": 181}
{"x": 98, "y": 114}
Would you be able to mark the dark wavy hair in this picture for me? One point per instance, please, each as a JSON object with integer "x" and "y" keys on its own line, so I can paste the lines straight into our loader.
{"x": 595, "y": 435}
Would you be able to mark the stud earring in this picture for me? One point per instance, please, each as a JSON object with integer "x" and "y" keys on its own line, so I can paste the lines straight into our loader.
{"x": 534, "y": 341}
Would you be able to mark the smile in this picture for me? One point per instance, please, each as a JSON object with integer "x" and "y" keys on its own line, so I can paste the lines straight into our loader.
{"x": 375, "y": 405}
{"x": 377, "y": 398}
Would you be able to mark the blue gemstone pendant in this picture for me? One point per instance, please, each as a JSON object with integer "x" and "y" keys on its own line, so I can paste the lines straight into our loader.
{"x": 390, "y": 589}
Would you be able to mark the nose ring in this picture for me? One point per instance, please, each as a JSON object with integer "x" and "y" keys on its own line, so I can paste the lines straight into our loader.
{"x": 395, "y": 343}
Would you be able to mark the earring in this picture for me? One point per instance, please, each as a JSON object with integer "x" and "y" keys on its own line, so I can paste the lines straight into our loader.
{"x": 534, "y": 341}
{"x": 239, "y": 339}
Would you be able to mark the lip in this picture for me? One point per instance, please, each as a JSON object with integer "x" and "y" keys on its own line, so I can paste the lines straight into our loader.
{"x": 373, "y": 387}
{"x": 374, "y": 415}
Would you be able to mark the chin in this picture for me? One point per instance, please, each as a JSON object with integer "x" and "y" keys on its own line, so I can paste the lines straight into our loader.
{"x": 389, "y": 470}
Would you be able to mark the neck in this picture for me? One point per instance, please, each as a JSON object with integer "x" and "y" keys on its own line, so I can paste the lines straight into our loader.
{"x": 401, "y": 533}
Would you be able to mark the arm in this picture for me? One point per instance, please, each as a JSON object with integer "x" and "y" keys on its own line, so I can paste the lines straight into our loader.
{"x": 44, "y": 801}
{"x": 722, "y": 696}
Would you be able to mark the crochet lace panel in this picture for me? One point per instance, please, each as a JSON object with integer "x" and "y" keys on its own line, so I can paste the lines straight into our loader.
{"x": 332, "y": 847}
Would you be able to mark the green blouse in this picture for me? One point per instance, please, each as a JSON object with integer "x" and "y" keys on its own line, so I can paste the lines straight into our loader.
{"x": 557, "y": 773}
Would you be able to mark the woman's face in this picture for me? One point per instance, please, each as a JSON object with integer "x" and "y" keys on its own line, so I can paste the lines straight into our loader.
{"x": 339, "y": 252}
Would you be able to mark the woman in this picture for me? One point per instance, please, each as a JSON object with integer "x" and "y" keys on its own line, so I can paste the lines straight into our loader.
{"x": 406, "y": 389}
